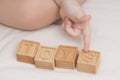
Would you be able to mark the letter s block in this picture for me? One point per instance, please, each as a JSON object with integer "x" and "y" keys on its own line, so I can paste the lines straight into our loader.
{"x": 66, "y": 57}
{"x": 45, "y": 58}
{"x": 88, "y": 61}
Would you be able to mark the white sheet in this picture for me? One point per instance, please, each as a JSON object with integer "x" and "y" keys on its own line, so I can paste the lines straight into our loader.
{"x": 105, "y": 26}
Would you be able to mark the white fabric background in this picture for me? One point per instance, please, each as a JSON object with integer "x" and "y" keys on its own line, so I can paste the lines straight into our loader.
{"x": 105, "y": 26}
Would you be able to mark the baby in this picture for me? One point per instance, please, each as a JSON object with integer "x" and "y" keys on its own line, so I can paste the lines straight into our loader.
{"x": 36, "y": 14}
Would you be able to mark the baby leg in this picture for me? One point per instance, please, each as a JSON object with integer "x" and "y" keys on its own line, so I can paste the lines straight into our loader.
{"x": 28, "y": 14}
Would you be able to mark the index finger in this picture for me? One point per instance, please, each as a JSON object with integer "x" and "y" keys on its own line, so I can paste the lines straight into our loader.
{"x": 86, "y": 36}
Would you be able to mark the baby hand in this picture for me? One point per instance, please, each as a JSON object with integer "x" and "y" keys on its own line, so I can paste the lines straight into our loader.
{"x": 76, "y": 22}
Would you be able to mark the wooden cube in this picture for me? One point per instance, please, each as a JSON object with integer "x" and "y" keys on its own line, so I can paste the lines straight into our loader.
{"x": 88, "y": 61}
{"x": 27, "y": 51}
{"x": 45, "y": 58}
{"x": 66, "y": 57}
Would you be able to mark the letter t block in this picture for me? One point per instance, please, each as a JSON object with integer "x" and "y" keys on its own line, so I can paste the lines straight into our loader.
{"x": 27, "y": 51}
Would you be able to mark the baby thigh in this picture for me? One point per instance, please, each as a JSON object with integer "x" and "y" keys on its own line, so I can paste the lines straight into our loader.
{"x": 28, "y": 14}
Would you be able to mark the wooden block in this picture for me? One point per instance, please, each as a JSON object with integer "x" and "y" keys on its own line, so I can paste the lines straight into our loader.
{"x": 66, "y": 57}
{"x": 45, "y": 58}
{"x": 88, "y": 61}
{"x": 27, "y": 51}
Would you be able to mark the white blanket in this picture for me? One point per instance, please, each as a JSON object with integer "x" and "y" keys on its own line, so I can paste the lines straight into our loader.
{"x": 105, "y": 26}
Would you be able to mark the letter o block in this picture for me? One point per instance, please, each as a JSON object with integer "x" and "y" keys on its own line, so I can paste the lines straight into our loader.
{"x": 45, "y": 58}
{"x": 66, "y": 57}
{"x": 88, "y": 61}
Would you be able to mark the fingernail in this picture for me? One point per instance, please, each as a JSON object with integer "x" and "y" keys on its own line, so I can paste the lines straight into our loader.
{"x": 86, "y": 51}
